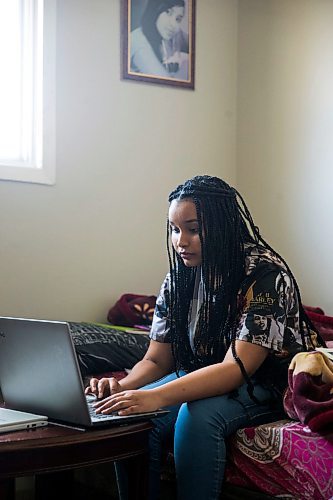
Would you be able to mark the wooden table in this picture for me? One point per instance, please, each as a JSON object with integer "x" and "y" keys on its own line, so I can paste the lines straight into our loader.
{"x": 55, "y": 449}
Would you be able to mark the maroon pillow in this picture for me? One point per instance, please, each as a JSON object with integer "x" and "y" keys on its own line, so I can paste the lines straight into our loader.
{"x": 323, "y": 323}
{"x": 132, "y": 309}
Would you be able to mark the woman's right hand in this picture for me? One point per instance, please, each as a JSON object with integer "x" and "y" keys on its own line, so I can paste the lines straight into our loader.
{"x": 103, "y": 387}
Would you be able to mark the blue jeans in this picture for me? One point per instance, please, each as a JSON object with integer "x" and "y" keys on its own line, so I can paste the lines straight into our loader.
{"x": 200, "y": 429}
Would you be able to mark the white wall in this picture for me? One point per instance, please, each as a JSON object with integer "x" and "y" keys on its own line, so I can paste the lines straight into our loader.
{"x": 69, "y": 251}
{"x": 285, "y": 131}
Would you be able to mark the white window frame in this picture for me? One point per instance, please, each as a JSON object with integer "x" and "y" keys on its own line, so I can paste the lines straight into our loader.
{"x": 42, "y": 171}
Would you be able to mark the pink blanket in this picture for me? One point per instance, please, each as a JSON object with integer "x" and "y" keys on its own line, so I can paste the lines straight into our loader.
{"x": 284, "y": 459}
{"x": 291, "y": 459}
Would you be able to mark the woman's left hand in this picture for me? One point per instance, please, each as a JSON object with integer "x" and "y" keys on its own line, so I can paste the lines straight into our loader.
{"x": 129, "y": 402}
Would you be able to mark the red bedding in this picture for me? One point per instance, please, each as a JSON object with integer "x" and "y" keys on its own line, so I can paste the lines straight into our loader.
{"x": 284, "y": 459}
{"x": 321, "y": 321}
{"x": 288, "y": 459}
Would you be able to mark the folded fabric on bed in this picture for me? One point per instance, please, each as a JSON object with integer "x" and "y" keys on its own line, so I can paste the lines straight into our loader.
{"x": 103, "y": 348}
{"x": 309, "y": 395}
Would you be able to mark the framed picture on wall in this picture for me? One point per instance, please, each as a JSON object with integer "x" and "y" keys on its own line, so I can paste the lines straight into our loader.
{"x": 158, "y": 41}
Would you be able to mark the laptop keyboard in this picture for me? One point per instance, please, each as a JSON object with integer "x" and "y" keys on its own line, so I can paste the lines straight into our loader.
{"x": 97, "y": 416}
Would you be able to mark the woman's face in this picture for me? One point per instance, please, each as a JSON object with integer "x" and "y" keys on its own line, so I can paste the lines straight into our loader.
{"x": 169, "y": 21}
{"x": 184, "y": 227}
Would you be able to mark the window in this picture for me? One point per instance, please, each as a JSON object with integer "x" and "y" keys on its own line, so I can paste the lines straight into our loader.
{"x": 27, "y": 90}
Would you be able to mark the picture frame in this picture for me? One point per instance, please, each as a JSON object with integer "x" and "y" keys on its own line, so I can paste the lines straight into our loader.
{"x": 158, "y": 46}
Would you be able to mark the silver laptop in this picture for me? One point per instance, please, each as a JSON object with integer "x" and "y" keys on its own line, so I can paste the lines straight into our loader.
{"x": 39, "y": 373}
{"x": 12, "y": 420}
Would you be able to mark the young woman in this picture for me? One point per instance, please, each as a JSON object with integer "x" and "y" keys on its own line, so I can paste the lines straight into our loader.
{"x": 159, "y": 46}
{"x": 208, "y": 362}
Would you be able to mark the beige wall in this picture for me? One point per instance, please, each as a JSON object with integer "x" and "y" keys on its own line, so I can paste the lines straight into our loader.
{"x": 285, "y": 130}
{"x": 70, "y": 250}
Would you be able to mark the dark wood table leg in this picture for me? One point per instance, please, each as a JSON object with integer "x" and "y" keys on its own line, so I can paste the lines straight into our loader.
{"x": 137, "y": 470}
{"x": 54, "y": 485}
{"x": 7, "y": 489}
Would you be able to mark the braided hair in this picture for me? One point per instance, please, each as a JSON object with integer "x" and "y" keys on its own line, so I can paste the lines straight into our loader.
{"x": 225, "y": 227}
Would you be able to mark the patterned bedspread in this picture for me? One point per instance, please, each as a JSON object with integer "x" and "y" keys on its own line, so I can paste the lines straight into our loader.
{"x": 284, "y": 459}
